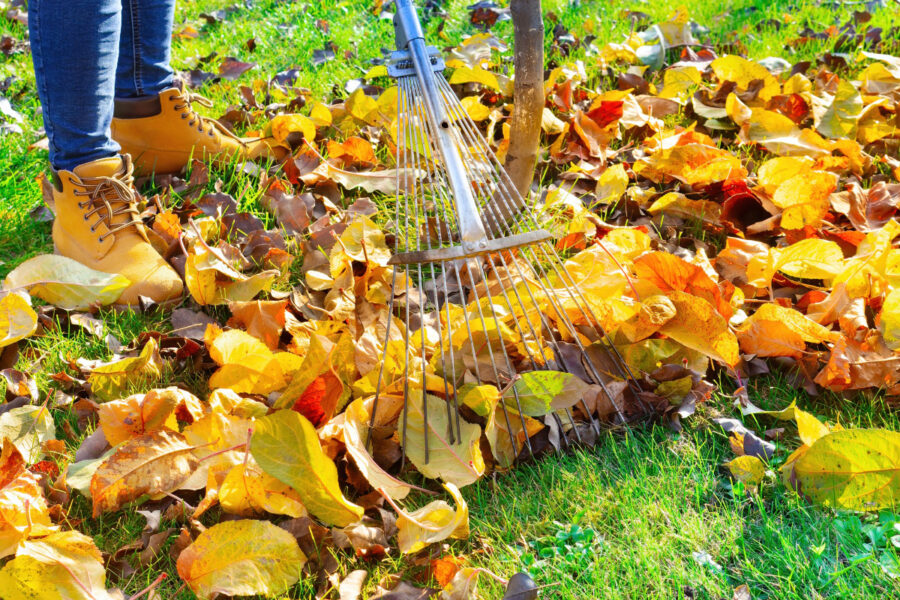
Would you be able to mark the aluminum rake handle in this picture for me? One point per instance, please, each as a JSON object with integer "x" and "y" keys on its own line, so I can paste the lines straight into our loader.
{"x": 409, "y": 37}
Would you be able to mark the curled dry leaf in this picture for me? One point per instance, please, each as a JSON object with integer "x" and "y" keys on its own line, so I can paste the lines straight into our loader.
{"x": 28, "y": 428}
{"x": 154, "y": 463}
{"x": 240, "y": 558}
{"x": 434, "y": 522}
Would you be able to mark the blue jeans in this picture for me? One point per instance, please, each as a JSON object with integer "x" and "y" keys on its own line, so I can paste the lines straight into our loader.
{"x": 88, "y": 52}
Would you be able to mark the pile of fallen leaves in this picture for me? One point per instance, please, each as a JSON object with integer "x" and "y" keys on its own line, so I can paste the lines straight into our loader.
{"x": 756, "y": 234}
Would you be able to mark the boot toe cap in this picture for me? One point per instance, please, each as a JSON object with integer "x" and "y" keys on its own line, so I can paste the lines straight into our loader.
{"x": 160, "y": 283}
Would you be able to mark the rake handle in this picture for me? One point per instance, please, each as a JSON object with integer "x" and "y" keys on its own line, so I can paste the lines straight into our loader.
{"x": 409, "y": 37}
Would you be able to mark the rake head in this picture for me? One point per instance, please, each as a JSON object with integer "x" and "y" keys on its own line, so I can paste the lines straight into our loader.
{"x": 479, "y": 293}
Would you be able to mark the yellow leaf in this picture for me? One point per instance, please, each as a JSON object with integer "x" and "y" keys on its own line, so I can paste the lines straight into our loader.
{"x": 246, "y": 365}
{"x": 537, "y": 393}
{"x": 286, "y": 446}
{"x": 66, "y": 283}
{"x": 356, "y": 424}
{"x": 459, "y": 462}
{"x": 23, "y": 510}
{"x": 853, "y": 469}
{"x": 241, "y": 558}
{"x": 284, "y": 125}
{"x": 694, "y": 164}
{"x": 809, "y": 428}
{"x": 28, "y": 427}
{"x": 804, "y": 199}
{"x": 697, "y": 325}
{"x": 812, "y": 258}
{"x": 112, "y": 380}
{"x": 550, "y": 123}
{"x": 841, "y": 117}
{"x": 611, "y": 184}
{"x": 64, "y": 565}
{"x": 376, "y": 71}
{"x": 889, "y": 320}
{"x": 17, "y": 319}
{"x": 154, "y": 463}
{"x": 747, "y": 469}
{"x": 480, "y": 398}
{"x": 136, "y": 415}
{"x": 475, "y": 75}
{"x": 743, "y": 72}
{"x": 776, "y": 171}
{"x": 320, "y": 115}
{"x": 361, "y": 106}
{"x": 477, "y": 111}
{"x": 679, "y": 205}
{"x": 247, "y": 491}
{"x": 434, "y": 522}
{"x": 463, "y": 585}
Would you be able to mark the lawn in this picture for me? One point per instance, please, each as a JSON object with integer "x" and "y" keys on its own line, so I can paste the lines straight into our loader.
{"x": 647, "y": 512}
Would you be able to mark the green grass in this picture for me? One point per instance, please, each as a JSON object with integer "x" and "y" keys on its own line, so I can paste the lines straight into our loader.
{"x": 652, "y": 498}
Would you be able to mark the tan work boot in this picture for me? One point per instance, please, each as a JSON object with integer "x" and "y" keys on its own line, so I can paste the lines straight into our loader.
{"x": 97, "y": 223}
{"x": 163, "y": 133}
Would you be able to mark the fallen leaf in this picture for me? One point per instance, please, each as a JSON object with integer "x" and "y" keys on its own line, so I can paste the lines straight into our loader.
{"x": 747, "y": 469}
{"x": 23, "y": 509}
{"x": 154, "y": 463}
{"x": 458, "y": 462}
{"x": 356, "y": 424}
{"x": 66, "y": 283}
{"x": 17, "y": 319}
{"x": 697, "y": 325}
{"x": 64, "y": 564}
{"x": 434, "y": 522}
{"x": 537, "y": 393}
{"x": 286, "y": 446}
{"x": 241, "y": 558}
{"x": 111, "y": 380}
{"x": 852, "y": 469}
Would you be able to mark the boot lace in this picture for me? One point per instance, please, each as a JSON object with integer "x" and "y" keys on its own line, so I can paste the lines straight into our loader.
{"x": 108, "y": 198}
{"x": 204, "y": 124}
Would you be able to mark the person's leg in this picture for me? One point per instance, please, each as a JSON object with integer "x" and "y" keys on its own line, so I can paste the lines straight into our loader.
{"x": 145, "y": 48}
{"x": 75, "y": 48}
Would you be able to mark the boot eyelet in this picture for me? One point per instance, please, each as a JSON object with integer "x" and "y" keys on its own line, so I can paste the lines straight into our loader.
{"x": 100, "y": 239}
{"x": 85, "y": 218}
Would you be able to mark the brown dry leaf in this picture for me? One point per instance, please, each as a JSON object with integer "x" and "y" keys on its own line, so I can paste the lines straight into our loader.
{"x": 241, "y": 558}
{"x": 23, "y": 509}
{"x": 259, "y": 318}
{"x": 433, "y": 523}
{"x": 507, "y": 431}
{"x": 154, "y": 463}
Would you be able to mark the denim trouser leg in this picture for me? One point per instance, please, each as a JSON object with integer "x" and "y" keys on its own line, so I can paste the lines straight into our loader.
{"x": 75, "y": 48}
{"x": 145, "y": 48}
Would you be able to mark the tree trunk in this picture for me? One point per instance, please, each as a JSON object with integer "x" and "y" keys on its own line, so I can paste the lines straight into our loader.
{"x": 525, "y": 125}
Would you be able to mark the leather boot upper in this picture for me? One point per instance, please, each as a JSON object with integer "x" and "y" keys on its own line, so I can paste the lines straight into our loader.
{"x": 166, "y": 141}
{"x": 98, "y": 224}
